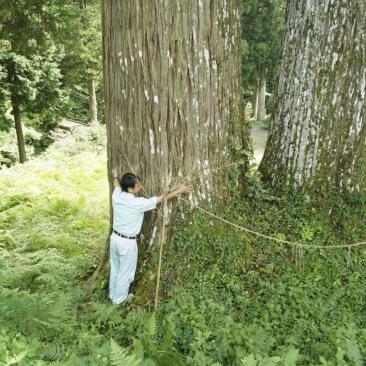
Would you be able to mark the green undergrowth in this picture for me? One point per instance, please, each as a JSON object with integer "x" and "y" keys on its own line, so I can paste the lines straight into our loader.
{"x": 255, "y": 296}
{"x": 227, "y": 297}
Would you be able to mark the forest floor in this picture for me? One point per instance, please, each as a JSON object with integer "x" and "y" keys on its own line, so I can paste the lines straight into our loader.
{"x": 228, "y": 298}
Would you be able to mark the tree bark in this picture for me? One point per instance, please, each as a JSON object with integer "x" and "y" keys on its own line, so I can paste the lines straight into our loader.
{"x": 261, "y": 99}
{"x": 172, "y": 92}
{"x": 82, "y": 4}
{"x": 171, "y": 72}
{"x": 318, "y": 132}
{"x": 93, "y": 102}
{"x": 18, "y": 129}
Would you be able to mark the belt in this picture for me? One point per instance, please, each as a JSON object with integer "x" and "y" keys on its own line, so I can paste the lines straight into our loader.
{"x": 124, "y": 236}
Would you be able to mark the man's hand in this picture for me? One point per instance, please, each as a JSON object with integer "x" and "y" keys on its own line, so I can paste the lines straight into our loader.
{"x": 184, "y": 189}
{"x": 115, "y": 178}
{"x": 114, "y": 173}
{"x": 179, "y": 191}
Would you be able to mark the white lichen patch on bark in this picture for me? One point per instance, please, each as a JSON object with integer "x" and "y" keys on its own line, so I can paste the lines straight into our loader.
{"x": 152, "y": 146}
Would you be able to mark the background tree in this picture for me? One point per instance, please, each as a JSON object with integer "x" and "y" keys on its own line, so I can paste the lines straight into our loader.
{"x": 30, "y": 82}
{"x": 262, "y": 29}
{"x": 82, "y": 65}
{"x": 57, "y": 61}
{"x": 318, "y": 132}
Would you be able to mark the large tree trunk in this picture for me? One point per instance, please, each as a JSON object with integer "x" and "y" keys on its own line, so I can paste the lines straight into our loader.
{"x": 172, "y": 87}
{"x": 93, "y": 102}
{"x": 318, "y": 132}
{"x": 171, "y": 72}
{"x": 261, "y": 99}
{"x": 18, "y": 129}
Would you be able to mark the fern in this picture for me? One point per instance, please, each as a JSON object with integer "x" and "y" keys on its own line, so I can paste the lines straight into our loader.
{"x": 167, "y": 355}
{"x": 162, "y": 352}
{"x": 13, "y": 201}
{"x": 15, "y": 359}
{"x": 120, "y": 357}
{"x": 41, "y": 315}
{"x": 150, "y": 329}
{"x": 169, "y": 333}
{"x": 54, "y": 353}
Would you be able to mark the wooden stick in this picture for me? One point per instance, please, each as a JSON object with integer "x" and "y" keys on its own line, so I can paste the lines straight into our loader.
{"x": 161, "y": 244}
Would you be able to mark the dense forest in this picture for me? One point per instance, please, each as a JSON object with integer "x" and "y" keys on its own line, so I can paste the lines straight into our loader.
{"x": 263, "y": 263}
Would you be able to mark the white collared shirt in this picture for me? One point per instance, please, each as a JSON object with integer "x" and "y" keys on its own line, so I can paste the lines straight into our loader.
{"x": 128, "y": 211}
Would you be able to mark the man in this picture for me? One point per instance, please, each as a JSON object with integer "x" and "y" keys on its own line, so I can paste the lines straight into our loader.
{"x": 128, "y": 214}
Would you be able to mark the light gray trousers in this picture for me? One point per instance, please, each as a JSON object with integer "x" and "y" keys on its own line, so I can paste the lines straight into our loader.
{"x": 123, "y": 260}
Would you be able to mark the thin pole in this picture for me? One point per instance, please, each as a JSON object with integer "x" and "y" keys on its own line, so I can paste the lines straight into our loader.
{"x": 161, "y": 244}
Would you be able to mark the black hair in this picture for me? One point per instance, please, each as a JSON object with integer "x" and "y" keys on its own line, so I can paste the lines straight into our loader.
{"x": 128, "y": 181}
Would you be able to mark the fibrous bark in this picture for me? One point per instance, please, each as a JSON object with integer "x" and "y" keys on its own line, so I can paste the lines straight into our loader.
{"x": 318, "y": 132}
{"x": 172, "y": 93}
{"x": 171, "y": 77}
